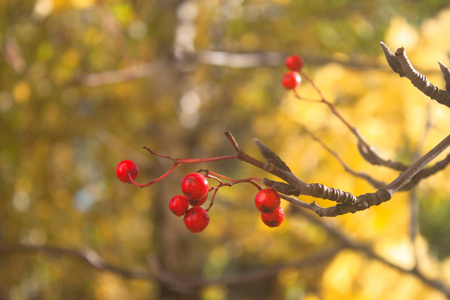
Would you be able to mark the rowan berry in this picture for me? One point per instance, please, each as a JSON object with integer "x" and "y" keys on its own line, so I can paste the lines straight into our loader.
{"x": 196, "y": 219}
{"x": 179, "y": 205}
{"x": 194, "y": 186}
{"x": 267, "y": 200}
{"x": 291, "y": 80}
{"x": 273, "y": 219}
{"x": 294, "y": 63}
{"x": 198, "y": 202}
{"x": 125, "y": 169}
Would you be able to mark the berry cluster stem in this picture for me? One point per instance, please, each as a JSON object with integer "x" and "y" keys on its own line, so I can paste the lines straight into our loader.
{"x": 216, "y": 176}
{"x": 184, "y": 161}
{"x": 174, "y": 166}
{"x": 177, "y": 162}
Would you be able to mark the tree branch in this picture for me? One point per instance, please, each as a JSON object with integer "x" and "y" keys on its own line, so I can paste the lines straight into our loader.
{"x": 372, "y": 181}
{"x": 417, "y": 166}
{"x": 401, "y": 65}
{"x": 367, "y": 151}
{"x": 213, "y": 58}
{"x": 369, "y": 252}
{"x": 190, "y": 285}
{"x": 121, "y": 75}
{"x": 182, "y": 284}
{"x": 347, "y": 202}
{"x": 86, "y": 255}
{"x": 422, "y": 174}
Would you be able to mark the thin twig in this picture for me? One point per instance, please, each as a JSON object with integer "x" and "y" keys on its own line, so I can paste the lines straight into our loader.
{"x": 367, "y": 151}
{"x": 426, "y": 172}
{"x": 414, "y": 181}
{"x": 372, "y": 181}
{"x": 417, "y": 166}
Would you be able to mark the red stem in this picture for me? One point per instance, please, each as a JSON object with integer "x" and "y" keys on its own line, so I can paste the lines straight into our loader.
{"x": 214, "y": 174}
{"x": 212, "y": 199}
{"x": 251, "y": 180}
{"x": 155, "y": 180}
{"x": 182, "y": 161}
{"x": 177, "y": 162}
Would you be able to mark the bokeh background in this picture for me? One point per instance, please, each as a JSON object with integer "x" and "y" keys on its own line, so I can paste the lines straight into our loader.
{"x": 85, "y": 84}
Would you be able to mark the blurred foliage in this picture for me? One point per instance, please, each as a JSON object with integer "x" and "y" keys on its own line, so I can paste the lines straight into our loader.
{"x": 60, "y": 141}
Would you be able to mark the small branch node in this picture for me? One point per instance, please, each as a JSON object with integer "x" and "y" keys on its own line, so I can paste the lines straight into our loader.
{"x": 400, "y": 51}
{"x": 321, "y": 191}
{"x": 370, "y": 199}
{"x": 281, "y": 187}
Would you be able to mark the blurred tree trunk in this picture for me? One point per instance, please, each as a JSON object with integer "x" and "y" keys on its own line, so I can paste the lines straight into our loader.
{"x": 171, "y": 248}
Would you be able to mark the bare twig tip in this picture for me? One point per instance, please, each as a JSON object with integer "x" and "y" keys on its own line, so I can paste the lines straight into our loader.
{"x": 392, "y": 59}
{"x": 232, "y": 141}
{"x": 446, "y": 72}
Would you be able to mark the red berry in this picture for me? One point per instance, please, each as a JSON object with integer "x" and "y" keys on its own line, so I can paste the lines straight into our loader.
{"x": 194, "y": 186}
{"x": 294, "y": 63}
{"x": 267, "y": 201}
{"x": 273, "y": 219}
{"x": 196, "y": 219}
{"x": 179, "y": 205}
{"x": 198, "y": 202}
{"x": 127, "y": 167}
{"x": 291, "y": 80}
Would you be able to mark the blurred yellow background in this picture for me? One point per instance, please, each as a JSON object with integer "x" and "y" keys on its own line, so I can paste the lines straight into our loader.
{"x": 85, "y": 84}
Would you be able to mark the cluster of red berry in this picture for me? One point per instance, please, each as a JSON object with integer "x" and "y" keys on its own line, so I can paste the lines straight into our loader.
{"x": 268, "y": 201}
{"x": 292, "y": 78}
{"x": 195, "y": 186}
{"x": 195, "y": 189}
